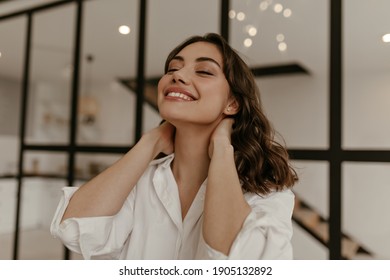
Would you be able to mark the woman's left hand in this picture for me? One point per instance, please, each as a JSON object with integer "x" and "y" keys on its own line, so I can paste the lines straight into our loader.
{"x": 221, "y": 135}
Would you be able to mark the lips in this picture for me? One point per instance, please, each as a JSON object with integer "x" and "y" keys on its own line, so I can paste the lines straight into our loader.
{"x": 177, "y": 93}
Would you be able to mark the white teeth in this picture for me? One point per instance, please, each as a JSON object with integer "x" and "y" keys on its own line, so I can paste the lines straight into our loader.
{"x": 179, "y": 95}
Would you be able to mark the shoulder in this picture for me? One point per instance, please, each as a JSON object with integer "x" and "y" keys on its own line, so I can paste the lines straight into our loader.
{"x": 278, "y": 204}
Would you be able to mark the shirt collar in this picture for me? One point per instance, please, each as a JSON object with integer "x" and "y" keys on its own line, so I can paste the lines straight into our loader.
{"x": 164, "y": 161}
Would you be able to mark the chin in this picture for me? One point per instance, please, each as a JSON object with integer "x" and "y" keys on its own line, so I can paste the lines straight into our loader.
{"x": 180, "y": 117}
{"x": 172, "y": 114}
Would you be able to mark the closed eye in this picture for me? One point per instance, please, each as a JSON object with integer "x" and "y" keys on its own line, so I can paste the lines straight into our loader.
{"x": 205, "y": 73}
{"x": 170, "y": 70}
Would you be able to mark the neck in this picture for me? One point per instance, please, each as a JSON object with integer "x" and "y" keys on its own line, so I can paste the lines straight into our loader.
{"x": 191, "y": 163}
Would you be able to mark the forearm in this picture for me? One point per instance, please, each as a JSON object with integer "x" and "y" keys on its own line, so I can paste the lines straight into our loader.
{"x": 225, "y": 207}
{"x": 105, "y": 194}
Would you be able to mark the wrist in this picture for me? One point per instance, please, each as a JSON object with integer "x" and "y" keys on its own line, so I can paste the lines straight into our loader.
{"x": 222, "y": 146}
{"x": 222, "y": 141}
{"x": 150, "y": 142}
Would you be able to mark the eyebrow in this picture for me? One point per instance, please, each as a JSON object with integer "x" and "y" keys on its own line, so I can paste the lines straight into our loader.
{"x": 199, "y": 59}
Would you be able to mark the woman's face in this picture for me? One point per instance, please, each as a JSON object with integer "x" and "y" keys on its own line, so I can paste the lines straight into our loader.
{"x": 194, "y": 89}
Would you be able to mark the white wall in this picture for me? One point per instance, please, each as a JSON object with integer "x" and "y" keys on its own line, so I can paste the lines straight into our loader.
{"x": 297, "y": 105}
{"x": 10, "y": 92}
{"x": 9, "y": 125}
{"x": 366, "y": 118}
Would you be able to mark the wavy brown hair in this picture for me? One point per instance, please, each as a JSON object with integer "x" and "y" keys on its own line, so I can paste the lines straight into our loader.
{"x": 262, "y": 163}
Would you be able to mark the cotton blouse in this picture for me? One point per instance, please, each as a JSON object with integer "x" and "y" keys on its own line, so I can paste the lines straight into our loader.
{"x": 150, "y": 225}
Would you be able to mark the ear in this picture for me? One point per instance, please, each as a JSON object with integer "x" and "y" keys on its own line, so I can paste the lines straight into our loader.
{"x": 232, "y": 107}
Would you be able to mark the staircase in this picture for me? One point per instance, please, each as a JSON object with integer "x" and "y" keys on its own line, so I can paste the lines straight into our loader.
{"x": 318, "y": 227}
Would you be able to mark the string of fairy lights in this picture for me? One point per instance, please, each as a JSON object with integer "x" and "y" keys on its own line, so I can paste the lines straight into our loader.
{"x": 251, "y": 30}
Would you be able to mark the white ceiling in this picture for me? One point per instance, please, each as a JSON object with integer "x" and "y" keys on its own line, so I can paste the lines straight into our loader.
{"x": 170, "y": 21}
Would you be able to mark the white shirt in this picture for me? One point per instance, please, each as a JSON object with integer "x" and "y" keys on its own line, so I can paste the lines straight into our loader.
{"x": 150, "y": 225}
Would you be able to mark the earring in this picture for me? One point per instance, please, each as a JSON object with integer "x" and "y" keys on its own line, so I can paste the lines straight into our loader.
{"x": 228, "y": 109}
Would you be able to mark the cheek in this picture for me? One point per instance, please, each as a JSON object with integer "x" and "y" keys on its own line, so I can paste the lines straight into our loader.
{"x": 218, "y": 94}
{"x": 160, "y": 87}
{"x": 161, "y": 83}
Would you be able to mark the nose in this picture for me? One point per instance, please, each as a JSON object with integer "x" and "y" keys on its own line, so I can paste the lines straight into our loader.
{"x": 179, "y": 76}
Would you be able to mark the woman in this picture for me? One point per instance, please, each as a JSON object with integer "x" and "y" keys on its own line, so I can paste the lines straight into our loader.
{"x": 220, "y": 190}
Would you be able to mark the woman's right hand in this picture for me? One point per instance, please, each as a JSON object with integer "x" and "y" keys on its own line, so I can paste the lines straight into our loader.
{"x": 163, "y": 136}
{"x": 105, "y": 194}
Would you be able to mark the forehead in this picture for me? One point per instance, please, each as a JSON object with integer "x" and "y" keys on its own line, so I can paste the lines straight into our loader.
{"x": 201, "y": 49}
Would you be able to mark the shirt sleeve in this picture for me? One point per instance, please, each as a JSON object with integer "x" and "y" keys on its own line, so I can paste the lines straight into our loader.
{"x": 94, "y": 237}
{"x": 266, "y": 232}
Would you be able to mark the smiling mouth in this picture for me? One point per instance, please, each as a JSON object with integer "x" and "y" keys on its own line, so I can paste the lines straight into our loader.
{"x": 178, "y": 95}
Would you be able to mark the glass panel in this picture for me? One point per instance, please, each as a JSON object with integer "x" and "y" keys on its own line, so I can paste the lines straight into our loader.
{"x": 12, "y": 34}
{"x": 366, "y": 72}
{"x": 311, "y": 209}
{"x": 8, "y": 191}
{"x": 312, "y": 187}
{"x": 106, "y": 112}
{"x": 366, "y": 190}
{"x": 288, "y": 33}
{"x": 51, "y": 75}
{"x": 45, "y": 164}
{"x": 41, "y": 193}
{"x": 39, "y": 202}
{"x": 305, "y": 247}
{"x": 90, "y": 165}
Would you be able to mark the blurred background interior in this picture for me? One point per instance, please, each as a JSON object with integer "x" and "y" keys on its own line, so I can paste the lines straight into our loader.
{"x": 77, "y": 89}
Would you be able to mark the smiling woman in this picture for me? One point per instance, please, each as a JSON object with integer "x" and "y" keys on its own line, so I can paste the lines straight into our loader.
{"x": 221, "y": 190}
